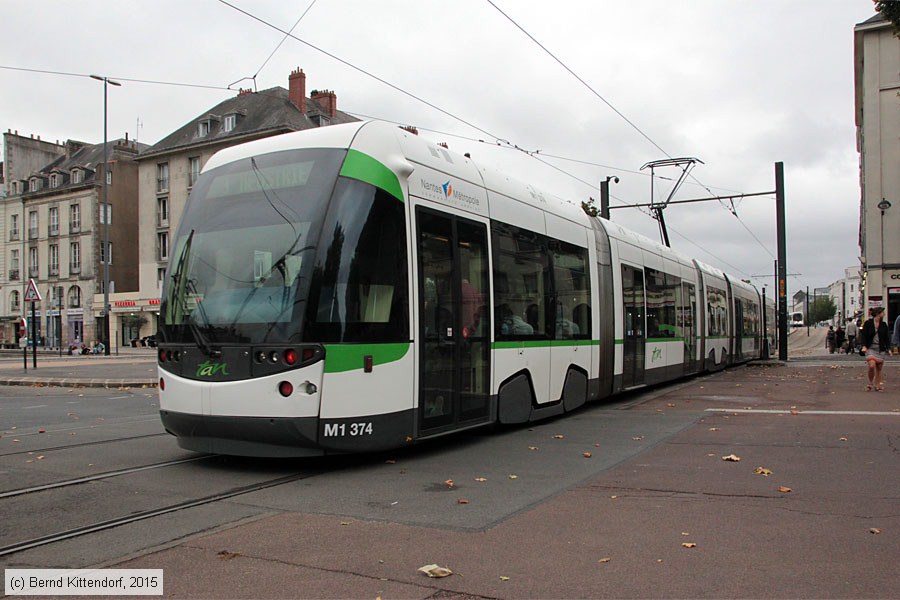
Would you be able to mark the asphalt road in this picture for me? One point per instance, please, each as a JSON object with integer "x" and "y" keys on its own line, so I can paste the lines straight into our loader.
{"x": 528, "y": 514}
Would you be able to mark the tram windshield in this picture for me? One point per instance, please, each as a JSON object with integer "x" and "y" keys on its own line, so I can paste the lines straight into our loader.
{"x": 278, "y": 249}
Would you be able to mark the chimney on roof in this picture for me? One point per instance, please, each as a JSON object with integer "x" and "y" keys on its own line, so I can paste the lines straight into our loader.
{"x": 243, "y": 92}
{"x": 297, "y": 89}
{"x": 327, "y": 99}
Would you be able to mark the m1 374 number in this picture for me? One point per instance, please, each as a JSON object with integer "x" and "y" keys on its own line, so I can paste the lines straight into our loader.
{"x": 344, "y": 429}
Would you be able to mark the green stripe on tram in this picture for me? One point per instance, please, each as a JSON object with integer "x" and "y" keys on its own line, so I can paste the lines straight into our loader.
{"x": 340, "y": 358}
{"x": 542, "y": 344}
{"x": 365, "y": 168}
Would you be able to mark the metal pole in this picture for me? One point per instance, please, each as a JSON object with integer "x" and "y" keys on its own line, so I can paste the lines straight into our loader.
{"x": 765, "y": 327}
{"x": 604, "y": 199}
{"x": 106, "y": 213}
{"x": 105, "y": 226}
{"x": 782, "y": 262}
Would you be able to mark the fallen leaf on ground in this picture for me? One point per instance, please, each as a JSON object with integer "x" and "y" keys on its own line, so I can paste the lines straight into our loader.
{"x": 462, "y": 501}
{"x": 587, "y": 454}
{"x": 843, "y": 439}
{"x": 504, "y": 578}
{"x": 435, "y": 571}
{"x": 762, "y": 471}
{"x": 226, "y": 555}
{"x": 513, "y": 476}
{"x": 784, "y": 490}
{"x": 481, "y": 479}
{"x": 713, "y": 428}
{"x": 874, "y": 530}
{"x": 732, "y": 458}
{"x": 532, "y": 447}
{"x": 558, "y": 437}
{"x": 688, "y": 545}
{"x": 604, "y": 560}
{"x": 449, "y": 483}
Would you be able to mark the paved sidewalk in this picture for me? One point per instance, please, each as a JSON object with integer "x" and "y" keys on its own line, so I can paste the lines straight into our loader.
{"x": 131, "y": 367}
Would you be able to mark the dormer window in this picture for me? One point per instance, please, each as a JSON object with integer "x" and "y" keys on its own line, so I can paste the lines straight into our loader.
{"x": 55, "y": 180}
{"x": 36, "y": 184}
{"x": 14, "y": 187}
{"x": 77, "y": 175}
{"x": 230, "y": 122}
{"x": 204, "y": 128}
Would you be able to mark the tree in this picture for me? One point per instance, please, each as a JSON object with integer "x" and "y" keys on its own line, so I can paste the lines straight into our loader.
{"x": 890, "y": 10}
{"x": 823, "y": 309}
{"x": 590, "y": 208}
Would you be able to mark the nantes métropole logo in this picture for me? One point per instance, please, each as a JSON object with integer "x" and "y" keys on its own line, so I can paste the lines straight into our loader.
{"x": 448, "y": 189}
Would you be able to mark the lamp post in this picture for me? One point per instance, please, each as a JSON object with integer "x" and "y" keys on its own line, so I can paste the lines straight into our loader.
{"x": 106, "y": 82}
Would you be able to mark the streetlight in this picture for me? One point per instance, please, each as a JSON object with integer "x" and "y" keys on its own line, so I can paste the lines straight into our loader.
{"x": 106, "y": 81}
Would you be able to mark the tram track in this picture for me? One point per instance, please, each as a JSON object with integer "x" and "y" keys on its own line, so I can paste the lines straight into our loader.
{"x": 82, "y": 444}
{"x": 99, "y": 476}
{"x": 147, "y": 514}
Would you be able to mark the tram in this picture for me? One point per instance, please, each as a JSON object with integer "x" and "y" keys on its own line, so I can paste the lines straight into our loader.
{"x": 355, "y": 288}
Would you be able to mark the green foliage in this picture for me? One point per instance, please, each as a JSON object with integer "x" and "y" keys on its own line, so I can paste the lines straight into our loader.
{"x": 823, "y": 309}
{"x": 890, "y": 10}
{"x": 590, "y": 208}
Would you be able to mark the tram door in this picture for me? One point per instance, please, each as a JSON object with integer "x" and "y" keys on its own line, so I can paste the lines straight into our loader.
{"x": 635, "y": 337}
{"x": 454, "y": 367}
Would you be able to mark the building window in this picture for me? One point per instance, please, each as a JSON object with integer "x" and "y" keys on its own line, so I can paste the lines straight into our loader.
{"x": 54, "y": 220}
{"x": 32, "y": 225}
{"x": 13, "y": 265}
{"x": 160, "y": 278}
{"x": 162, "y": 211}
{"x": 35, "y": 184}
{"x": 75, "y": 257}
{"x": 56, "y": 293}
{"x": 13, "y": 227}
{"x": 230, "y": 121}
{"x": 195, "y": 169}
{"x": 103, "y": 254}
{"x": 74, "y": 218}
{"x": 14, "y": 304}
{"x": 54, "y": 180}
{"x": 32, "y": 262}
{"x": 54, "y": 259}
{"x": 162, "y": 245}
{"x": 106, "y": 214}
{"x": 203, "y": 131}
{"x": 108, "y": 177}
{"x": 74, "y": 300}
{"x": 14, "y": 188}
{"x": 162, "y": 177}
{"x": 77, "y": 175}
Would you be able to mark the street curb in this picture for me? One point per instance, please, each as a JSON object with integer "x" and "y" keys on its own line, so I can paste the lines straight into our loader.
{"x": 75, "y": 383}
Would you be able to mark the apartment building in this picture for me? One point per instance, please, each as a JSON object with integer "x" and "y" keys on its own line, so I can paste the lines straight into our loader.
{"x": 877, "y": 84}
{"x": 53, "y": 219}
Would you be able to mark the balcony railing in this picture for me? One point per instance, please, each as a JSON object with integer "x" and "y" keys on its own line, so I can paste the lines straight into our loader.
{"x": 14, "y": 235}
{"x": 74, "y": 227}
{"x": 33, "y": 271}
{"x": 54, "y": 271}
{"x": 75, "y": 268}
{"x": 13, "y": 274}
{"x": 162, "y": 185}
{"x": 53, "y": 230}
{"x": 33, "y": 234}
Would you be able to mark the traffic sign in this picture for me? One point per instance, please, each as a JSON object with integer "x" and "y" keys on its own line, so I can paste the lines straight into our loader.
{"x": 31, "y": 292}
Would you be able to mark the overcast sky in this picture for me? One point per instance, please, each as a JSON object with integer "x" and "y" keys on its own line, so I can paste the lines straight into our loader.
{"x": 736, "y": 84}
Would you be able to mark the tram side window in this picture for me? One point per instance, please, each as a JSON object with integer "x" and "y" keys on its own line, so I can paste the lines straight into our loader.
{"x": 661, "y": 319}
{"x": 521, "y": 283}
{"x": 573, "y": 292}
{"x": 716, "y": 312}
{"x": 359, "y": 283}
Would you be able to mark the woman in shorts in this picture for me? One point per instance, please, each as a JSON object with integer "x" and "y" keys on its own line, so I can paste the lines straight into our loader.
{"x": 876, "y": 343}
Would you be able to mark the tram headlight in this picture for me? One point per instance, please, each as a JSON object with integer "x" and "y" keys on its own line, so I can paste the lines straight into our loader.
{"x": 273, "y": 357}
{"x": 260, "y": 357}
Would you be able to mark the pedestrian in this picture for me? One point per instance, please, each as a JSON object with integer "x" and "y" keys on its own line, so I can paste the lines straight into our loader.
{"x": 839, "y": 338}
{"x": 851, "y": 334}
{"x": 829, "y": 339}
{"x": 876, "y": 343}
{"x": 895, "y": 339}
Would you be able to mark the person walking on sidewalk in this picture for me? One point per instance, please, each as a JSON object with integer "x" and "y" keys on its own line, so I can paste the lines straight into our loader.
{"x": 876, "y": 343}
{"x": 829, "y": 340}
{"x": 851, "y": 335}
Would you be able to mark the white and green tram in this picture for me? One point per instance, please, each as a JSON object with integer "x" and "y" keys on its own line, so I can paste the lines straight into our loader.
{"x": 356, "y": 288}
